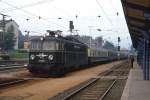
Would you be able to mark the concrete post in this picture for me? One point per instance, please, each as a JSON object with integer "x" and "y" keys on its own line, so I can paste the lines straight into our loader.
{"x": 146, "y": 57}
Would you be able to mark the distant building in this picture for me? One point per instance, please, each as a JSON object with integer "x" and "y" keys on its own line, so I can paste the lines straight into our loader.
{"x": 27, "y": 40}
{"x": 10, "y": 26}
{"x": 90, "y": 42}
{"x": 124, "y": 50}
{"x": 99, "y": 42}
{"x": 86, "y": 40}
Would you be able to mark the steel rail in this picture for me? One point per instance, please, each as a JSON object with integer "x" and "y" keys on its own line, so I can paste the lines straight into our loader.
{"x": 12, "y": 67}
{"x": 103, "y": 96}
{"x": 12, "y": 82}
{"x": 80, "y": 89}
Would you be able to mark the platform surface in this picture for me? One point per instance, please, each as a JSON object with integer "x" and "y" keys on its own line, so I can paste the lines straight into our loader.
{"x": 136, "y": 88}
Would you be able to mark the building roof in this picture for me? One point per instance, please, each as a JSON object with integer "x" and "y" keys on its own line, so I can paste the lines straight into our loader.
{"x": 7, "y": 21}
{"x": 137, "y": 13}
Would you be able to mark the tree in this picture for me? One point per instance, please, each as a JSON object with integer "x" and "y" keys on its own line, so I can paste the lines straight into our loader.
{"x": 9, "y": 41}
{"x": 9, "y": 38}
{"x": 109, "y": 45}
{"x": 20, "y": 40}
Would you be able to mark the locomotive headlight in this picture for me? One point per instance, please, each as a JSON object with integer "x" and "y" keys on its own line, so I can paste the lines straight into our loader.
{"x": 32, "y": 57}
{"x": 50, "y": 57}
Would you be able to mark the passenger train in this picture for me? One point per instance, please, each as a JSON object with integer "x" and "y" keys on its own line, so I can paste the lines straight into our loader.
{"x": 56, "y": 55}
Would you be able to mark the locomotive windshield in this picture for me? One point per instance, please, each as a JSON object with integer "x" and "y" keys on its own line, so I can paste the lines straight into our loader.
{"x": 44, "y": 45}
{"x": 35, "y": 45}
{"x": 49, "y": 45}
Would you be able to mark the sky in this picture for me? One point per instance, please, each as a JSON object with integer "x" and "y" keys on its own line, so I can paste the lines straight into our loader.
{"x": 84, "y": 14}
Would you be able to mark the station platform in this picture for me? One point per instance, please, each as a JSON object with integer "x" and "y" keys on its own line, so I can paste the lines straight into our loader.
{"x": 136, "y": 88}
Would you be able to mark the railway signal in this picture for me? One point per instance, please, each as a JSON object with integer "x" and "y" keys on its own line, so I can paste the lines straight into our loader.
{"x": 118, "y": 48}
{"x": 71, "y": 26}
{"x": 119, "y": 39}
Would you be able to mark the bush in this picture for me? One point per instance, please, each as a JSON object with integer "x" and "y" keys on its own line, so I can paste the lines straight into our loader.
{"x": 18, "y": 55}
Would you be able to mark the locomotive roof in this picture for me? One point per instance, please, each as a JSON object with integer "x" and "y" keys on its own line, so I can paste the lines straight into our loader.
{"x": 59, "y": 38}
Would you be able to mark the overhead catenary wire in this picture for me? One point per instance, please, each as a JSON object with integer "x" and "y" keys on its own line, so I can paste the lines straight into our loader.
{"x": 104, "y": 12}
{"x": 38, "y": 3}
{"x": 113, "y": 8}
{"x": 31, "y": 14}
{"x": 31, "y": 31}
{"x": 29, "y": 5}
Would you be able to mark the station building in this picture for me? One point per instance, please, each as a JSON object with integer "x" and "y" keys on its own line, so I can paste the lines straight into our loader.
{"x": 10, "y": 25}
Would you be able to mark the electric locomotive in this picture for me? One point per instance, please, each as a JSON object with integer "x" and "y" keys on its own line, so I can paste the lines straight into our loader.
{"x": 54, "y": 54}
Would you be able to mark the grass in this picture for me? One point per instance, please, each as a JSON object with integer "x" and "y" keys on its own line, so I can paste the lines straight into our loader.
{"x": 18, "y": 55}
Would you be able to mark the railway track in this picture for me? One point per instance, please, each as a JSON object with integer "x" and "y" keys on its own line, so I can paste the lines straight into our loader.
{"x": 8, "y": 82}
{"x": 92, "y": 91}
{"x": 99, "y": 88}
{"x": 11, "y": 68}
{"x": 13, "y": 61}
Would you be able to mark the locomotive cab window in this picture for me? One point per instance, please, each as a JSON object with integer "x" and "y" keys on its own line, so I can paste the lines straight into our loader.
{"x": 61, "y": 46}
{"x": 35, "y": 45}
{"x": 50, "y": 45}
{"x": 44, "y": 45}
